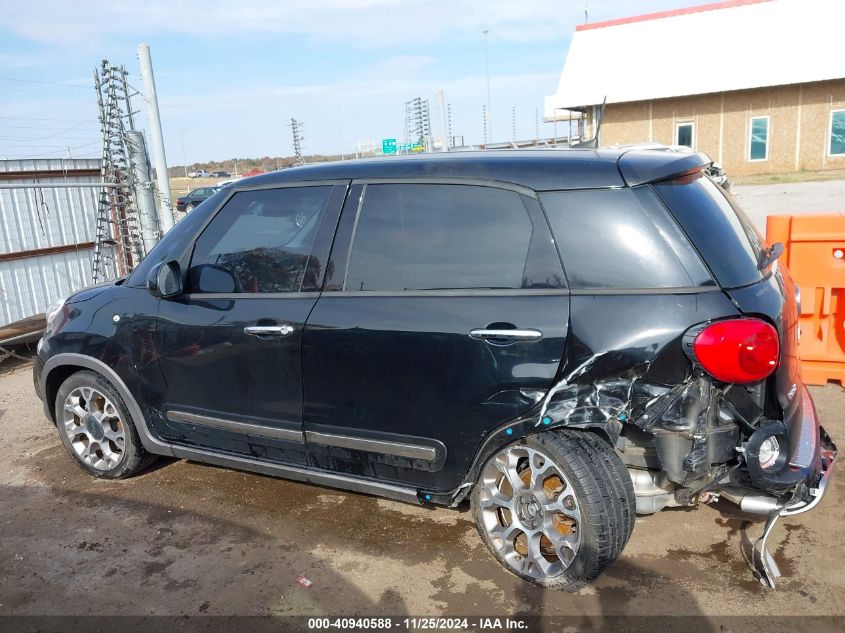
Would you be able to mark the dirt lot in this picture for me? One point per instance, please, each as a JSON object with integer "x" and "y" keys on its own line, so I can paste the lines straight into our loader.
{"x": 790, "y": 198}
{"x": 185, "y": 538}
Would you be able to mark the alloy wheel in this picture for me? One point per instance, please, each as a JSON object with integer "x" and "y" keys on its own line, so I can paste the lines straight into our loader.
{"x": 530, "y": 512}
{"x": 96, "y": 431}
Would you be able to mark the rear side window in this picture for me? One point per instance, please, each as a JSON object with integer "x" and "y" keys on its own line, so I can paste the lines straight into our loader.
{"x": 718, "y": 227}
{"x": 621, "y": 238}
{"x": 437, "y": 237}
{"x": 259, "y": 242}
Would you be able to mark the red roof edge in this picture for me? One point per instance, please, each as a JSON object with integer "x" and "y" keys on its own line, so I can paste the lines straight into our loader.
{"x": 713, "y": 6}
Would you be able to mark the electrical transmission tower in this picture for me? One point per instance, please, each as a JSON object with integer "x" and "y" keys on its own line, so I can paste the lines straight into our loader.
{"x": 295, "y": 128}
{"x": 417, "y": 124}
{"x": 450, "y": 138}
{"x": 118, "y": 246}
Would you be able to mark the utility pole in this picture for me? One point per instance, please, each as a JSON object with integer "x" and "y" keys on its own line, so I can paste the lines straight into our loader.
{"x": 417, "y": 125}
{"x": 156, "y": 136}
{"x": 117, "y": 245}
{"x": 444, "y": 127}
{"x": 484, "y": 121}
{"x": 536, "y": 126}
{"x": 182, "y": 142}
{"x": 489, "y": 110}
{"x": 297, "y": 141}
{"x": 449, "y": 124}
{"x": 142, "y": 183}
{"x": 513, "y": 122}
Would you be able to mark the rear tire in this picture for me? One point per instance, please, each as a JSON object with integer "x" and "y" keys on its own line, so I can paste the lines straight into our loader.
{"x": 189, "y": 208}
{"x": 96, "y": 428}
{"x": 555, "y": 508}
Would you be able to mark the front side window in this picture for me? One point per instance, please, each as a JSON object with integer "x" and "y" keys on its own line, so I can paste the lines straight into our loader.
{"x": 837, "y": 132}
{"x": 684, "y": 134}
{"x": 758, "y": 142}
{"x": 439, "y": 237}
{"x": 259, "y": 242}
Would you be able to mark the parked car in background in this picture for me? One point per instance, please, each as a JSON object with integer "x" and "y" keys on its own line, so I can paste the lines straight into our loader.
{"x": 563, "y": 338}
{"x": 220, "y": 174}
{"x": 187, "y": 203}
{"x": 199, "y": 173}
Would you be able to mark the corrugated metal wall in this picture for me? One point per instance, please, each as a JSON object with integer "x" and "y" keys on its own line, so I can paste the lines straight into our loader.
{"x": 35, "y": 220}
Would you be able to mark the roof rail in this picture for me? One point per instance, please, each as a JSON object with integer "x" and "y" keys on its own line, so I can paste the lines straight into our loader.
{"x": 639, "y": 167}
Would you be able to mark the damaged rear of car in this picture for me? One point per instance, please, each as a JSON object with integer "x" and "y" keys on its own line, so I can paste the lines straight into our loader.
{"x": 684, "y": 333}
{"x": 565, "y": 338}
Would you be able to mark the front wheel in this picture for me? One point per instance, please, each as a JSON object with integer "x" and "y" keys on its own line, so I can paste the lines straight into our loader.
{"x": 556, "y": 508}
{"x": 96, "y": 428}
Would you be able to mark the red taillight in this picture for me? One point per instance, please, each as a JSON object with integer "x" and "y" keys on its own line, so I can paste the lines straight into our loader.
{"x": 738, "y": 350}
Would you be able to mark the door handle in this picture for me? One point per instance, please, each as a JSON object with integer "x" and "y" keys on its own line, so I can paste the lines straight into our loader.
{"x": 268, "y": 330}
{"x": 484, "y": 334}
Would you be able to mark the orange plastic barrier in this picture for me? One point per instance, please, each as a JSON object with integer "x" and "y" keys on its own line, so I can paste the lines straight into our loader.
{"x": 815, "y": 256}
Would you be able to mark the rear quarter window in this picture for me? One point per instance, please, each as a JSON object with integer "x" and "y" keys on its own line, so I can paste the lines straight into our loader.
{"x": 718, "y": 227}
{"x": 621, "y": 239}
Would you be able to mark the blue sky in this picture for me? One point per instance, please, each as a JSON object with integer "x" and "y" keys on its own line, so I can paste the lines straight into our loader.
{"x": 230, "y": 75}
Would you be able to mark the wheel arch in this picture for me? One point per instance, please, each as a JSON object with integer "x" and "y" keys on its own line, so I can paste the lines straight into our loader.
{"x": 61, "y": 366}
{"x": 520, "y": 430}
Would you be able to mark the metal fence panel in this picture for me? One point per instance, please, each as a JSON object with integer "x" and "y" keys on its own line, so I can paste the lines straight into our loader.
{"x": 28, "y": 286}
{"x": 33, "y": 219}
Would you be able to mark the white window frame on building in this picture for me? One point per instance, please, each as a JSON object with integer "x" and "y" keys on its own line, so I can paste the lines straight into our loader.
{"x": 691, "y": 125}
{"x": 830, "y": 151}
{"x": 751, "y": 120}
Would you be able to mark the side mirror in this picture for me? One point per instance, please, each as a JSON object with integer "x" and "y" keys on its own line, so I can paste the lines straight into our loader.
{"x": 212, "y": 279}
{"x": 165, "y": 280}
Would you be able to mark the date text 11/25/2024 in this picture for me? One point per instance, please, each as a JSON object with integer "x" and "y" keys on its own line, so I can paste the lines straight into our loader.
{"x": 419, "y": 623}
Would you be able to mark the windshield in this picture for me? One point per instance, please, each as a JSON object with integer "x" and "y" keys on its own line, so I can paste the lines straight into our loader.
{"x": 719, "y": 228}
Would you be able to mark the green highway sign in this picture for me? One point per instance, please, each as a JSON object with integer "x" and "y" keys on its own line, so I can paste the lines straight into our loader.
{"x": 388, "y": 146}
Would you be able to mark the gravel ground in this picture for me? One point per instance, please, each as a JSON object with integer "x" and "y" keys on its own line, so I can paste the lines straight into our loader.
{"x": 184, "y": 538}
{"x": 795, "y": 198}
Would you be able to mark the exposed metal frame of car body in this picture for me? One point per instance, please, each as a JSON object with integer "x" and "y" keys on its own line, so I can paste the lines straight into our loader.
{"x": 760, "y": 560}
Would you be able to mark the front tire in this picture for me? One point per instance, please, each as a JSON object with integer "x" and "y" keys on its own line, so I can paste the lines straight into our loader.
{"x": 554, "y": 509}
{"x": 96, "y": 428}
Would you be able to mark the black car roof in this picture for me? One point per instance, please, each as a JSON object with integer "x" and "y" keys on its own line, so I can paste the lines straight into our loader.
{"x": 541, "y": 170}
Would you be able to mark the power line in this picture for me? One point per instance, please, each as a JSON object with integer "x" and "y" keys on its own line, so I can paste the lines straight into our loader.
{"x": 70, "y": 129}
{"x": 21, "y": 144}
{"x": 43, "y": 83}
{"x": 39, "y": 127}
{"x": 59, "y": 137}
{"x": 55, "y": 151}
{"x": 38, "y": 118}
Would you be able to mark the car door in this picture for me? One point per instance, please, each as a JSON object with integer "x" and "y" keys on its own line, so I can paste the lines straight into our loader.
{"x": 404, "y": 371}
{"x": 229, "y": 348}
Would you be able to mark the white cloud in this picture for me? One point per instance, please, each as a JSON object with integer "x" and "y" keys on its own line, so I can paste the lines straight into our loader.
{"x": 370, "y": 23}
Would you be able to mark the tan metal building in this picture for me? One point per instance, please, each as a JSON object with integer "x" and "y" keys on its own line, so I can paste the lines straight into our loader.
{"x": 758, "y": 85}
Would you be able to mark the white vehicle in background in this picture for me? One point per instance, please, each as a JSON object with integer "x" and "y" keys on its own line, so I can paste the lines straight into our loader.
{"x": 199, "y": 173}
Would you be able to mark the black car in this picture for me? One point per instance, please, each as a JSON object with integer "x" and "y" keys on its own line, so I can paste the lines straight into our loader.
{"x": 563, "y": 338}
{"x": 221, "y": 174}
{"x": 193, "y": 199}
